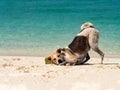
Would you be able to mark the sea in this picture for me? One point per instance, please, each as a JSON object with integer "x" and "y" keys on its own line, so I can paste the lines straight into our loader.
{"x": 39, "y": 27}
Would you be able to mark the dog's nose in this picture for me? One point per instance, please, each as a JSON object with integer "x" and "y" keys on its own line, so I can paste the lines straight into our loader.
{"x": 59, "y": 61}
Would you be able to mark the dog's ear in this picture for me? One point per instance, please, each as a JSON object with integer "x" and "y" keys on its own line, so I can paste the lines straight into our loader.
{"x": 63, "y": 49}
{"x": 59, "y": 50}
{"x": 49, "y": 58}
{"x": 92, "y": 26}
{"x": 88, "y": 24}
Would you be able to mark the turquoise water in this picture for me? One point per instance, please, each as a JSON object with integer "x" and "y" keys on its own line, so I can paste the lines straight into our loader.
{"x": 39, "y": 27}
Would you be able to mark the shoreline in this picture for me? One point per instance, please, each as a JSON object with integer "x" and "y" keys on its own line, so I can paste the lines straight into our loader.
{"x": 91, "y": 55}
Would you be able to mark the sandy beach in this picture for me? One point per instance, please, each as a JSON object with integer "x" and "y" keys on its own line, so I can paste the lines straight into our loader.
{"x": 31, "y": 73}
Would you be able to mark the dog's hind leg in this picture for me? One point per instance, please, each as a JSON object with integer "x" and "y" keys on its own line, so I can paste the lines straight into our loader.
{"x": 93, "y": 42}
{"x": 100, "y": 53}
{"x": 96, "y": 49}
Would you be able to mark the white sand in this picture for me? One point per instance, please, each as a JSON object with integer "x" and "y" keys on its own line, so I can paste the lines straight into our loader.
{"x": 31, "y": 73}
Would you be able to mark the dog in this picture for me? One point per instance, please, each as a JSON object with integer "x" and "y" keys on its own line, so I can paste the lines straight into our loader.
{"x": 77, "y": 51}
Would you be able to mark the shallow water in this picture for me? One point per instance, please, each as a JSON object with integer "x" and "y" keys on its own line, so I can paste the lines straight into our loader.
{"x": 38, "y": 27}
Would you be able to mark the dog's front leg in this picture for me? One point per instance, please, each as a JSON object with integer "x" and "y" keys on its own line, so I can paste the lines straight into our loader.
{"x": 87, "y": 57}
{"x": 63, "y": 63}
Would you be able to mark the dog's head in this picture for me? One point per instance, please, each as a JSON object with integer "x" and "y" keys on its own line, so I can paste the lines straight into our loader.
{"x": 57, "y": 57}
{"x": 87, "y": 25}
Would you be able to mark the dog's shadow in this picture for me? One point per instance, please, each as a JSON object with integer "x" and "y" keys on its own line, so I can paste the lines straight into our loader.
{"x": 106, "y": 64}
{"x": 113, "y": 64}
{"x": 84, "y": 64}
{"x": 110, "y": 63}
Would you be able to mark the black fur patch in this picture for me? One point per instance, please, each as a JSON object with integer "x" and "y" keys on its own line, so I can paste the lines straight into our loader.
{"x": 79, "y": 44}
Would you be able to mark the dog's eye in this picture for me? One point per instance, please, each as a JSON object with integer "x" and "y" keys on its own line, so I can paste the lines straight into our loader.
{"x": 58, "y": 55}
{"x": 54, "y": 59}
